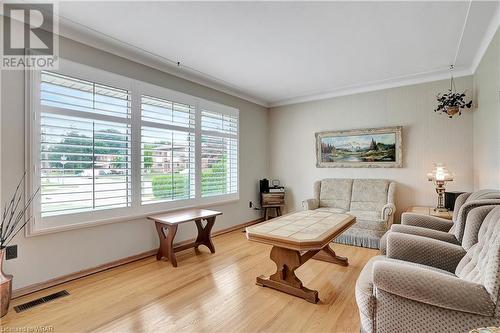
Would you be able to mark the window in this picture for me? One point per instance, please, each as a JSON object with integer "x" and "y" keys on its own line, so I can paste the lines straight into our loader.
{"x": 219, "y": 153}
{"x": 109, "y": 148}
{"x": 84, "y": 146}
{"x": 167, "y": 150}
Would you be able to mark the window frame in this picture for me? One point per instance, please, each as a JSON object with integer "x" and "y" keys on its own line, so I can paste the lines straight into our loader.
{"x": 56, "y": 223}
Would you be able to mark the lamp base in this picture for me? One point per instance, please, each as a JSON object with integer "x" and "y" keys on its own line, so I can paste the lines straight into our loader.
{"x": 441, "y": 210}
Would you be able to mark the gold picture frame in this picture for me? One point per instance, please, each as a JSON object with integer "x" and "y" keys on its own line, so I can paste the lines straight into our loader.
{"x": 360, "y": 148}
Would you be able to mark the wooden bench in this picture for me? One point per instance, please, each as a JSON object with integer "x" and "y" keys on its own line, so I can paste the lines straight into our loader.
{"x": 166, "y": 226}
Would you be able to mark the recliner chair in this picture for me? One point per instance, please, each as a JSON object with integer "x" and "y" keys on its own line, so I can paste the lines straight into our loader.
{"x": 427, "y": 285}
{"x": 439, "y": 228}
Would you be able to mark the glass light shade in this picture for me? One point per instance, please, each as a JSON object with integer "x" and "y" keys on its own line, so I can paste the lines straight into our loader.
{"x": 440, "y": 173}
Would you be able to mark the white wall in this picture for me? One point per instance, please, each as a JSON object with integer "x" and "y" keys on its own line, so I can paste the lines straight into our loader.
{"x": 41, "y": 258}
{"x": 427, "y": 137}
{"x": 487, "y": 118}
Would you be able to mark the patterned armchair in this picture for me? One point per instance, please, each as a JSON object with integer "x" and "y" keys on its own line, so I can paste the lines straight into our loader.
{"x": 370, "y": 200}
{"x": 442, "y": 229}
{"x": 426, "y": 285}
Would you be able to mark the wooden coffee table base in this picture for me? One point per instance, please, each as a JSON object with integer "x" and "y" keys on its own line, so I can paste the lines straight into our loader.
{"x": 328, "y": 255}
{"x": 287, "y": 261}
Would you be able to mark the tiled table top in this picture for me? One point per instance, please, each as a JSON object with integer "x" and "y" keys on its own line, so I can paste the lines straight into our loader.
{"x": 301, "y": 230}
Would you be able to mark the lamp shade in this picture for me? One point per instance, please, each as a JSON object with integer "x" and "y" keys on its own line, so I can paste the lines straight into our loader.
{"x": 440, "y": 173}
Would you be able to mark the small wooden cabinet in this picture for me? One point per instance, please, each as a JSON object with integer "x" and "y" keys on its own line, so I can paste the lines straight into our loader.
{"x": 274, "y": 201}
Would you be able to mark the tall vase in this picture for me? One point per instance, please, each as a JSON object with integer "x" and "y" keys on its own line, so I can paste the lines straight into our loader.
{"x": 5, "y": 287}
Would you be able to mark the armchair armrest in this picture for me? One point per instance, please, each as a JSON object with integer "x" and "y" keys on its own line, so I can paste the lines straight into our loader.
{"x": 459, "y": 202}
{"x": 425, "y": 251}
{"x": 310, "y": 204}
{"x": 425, "y": 221}
{"x": 424, "y": 232}
{"x": 431, "y": 287}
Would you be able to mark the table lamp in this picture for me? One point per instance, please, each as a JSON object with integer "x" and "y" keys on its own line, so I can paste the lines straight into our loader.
{"x": 440, "y": 175}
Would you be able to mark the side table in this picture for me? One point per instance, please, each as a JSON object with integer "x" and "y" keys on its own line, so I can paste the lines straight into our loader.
{"x": 430, "y": 211}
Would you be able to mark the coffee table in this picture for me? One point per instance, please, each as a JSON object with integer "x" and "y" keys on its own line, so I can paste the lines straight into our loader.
{"x": 296, "y": 238}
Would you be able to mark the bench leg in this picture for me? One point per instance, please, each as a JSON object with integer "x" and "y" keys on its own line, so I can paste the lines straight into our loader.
{"x": 204, "y": 237}
{"x": 166, "y": 233}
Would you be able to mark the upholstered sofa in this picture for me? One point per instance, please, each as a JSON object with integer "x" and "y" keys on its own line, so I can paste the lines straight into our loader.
{"x": 428, "y": 285}
{"x": 443, "y": 229}
{"x": 371, "y": 201}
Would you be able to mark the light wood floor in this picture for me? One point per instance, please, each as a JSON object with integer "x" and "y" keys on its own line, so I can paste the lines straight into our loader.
{"x": 206, "y": 293}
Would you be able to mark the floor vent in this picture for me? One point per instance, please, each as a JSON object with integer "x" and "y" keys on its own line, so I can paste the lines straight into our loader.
{"x": 41, "y": 300}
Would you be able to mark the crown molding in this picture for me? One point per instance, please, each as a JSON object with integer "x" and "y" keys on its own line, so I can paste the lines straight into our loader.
{"x": 401, "y": 81}
{"x": 486, "y": 41}
{"x": 88, "y": 36}
{"x": 436, "y": 75}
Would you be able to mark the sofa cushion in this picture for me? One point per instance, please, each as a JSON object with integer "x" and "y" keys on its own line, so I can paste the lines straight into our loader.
{"x": 370, "y": 225}
{"x": 331, "y": 210}
{"x": 368, "y": 215}
{"x": 369, "y": 194}
{"x": 335, "y": 193}
{"x": 368, "y": 220}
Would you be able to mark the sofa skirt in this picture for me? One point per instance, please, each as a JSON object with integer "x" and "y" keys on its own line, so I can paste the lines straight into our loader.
{"x": 361, "y": 237}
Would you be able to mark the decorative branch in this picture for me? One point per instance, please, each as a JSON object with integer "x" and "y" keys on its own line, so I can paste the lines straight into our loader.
{"x": 19, "y": 217}
{"x": 11, "y": 207}
{"x": 15, "y": 234}
{"x": 12, "y": 217}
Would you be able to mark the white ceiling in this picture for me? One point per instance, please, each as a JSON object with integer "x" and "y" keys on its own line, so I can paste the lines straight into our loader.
{"x": 278, "y": 53}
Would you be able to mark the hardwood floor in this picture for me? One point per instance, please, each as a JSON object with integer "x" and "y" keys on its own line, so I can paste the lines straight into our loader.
{"x": 205, "y": 293}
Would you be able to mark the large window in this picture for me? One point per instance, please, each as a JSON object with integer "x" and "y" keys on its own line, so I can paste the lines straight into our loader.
{"x": 109, "y": 147}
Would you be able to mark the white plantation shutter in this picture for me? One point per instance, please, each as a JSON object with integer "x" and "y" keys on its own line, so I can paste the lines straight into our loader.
{"x": 74, "y": 94}
{"x": 219, "y": 153}
{"x": 85, "y": 146}
{"x": 167, "y": 150}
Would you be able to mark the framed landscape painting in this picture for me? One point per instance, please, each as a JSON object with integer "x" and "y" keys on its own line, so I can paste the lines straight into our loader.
{"x": 364, "y": 148}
